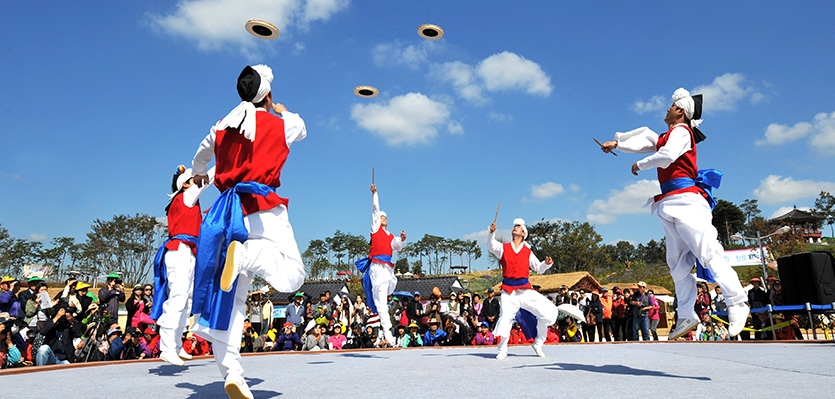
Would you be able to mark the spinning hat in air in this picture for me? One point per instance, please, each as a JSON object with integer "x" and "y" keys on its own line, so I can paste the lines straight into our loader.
{"x": 431, "y": 32}
{"x": 366, "y": 91}
{"x": 261, "y": 29}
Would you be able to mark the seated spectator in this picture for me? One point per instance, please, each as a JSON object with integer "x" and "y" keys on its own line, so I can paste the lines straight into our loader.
{"x": 195, "y": 345}
{"x": 247, "y": 345}
{"x": 435, "y": 336}
{"x": 413, "y": 338}
{"x": 37, "y": 307}
{"x": 114, "y": 338}
{"x": 484, "y": 336}
{"x": 314, "y": 339}
{"x": 58, "y": 332}
{"x": 721, "y": 332}
{"x": 151, "y": 341}
{"x": 142, "y": 316}
{"x": 9, "y": 302}
{"x": 288, "y": 340}
{"x": 553, "y": 334}
{"x": 132, "y": 304}
{"x": 702, "y": 327}
{"x": 453, "y": 338}
{"x": 133, "y": 348}
{"x": 399, "y": 336}
{"x": 357, "y": 339}
{"x": 517, "y": 336}
{"x": 337, "y": 339}
{"x": 10, "y": 355}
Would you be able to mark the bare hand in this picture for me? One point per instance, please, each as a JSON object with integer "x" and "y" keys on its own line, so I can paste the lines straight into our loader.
{"x": 61, "y": 312}
{"x": 608, "y": 146}
{"x": 549, "y": 261}
{"x": 201, "y": 180}
{"x": 635, "y": 169}
{"x": 402, "y": 235}
{"x": 279, "y": 108}
{"x": 374, "y": 189}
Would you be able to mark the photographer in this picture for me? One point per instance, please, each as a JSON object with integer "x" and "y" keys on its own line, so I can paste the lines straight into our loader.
{"x": 10, "y": 355}
{"x": 58, "y": 332}
{"x": 112, "y": 294}
{"x": 69, "y": 297}
{"x": 288, "y": 339}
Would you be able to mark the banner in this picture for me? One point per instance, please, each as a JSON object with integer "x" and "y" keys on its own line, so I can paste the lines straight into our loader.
{"x": 33, "y": 270}
{"x": 746, "y": 257}
{"x": 279, "y": 312}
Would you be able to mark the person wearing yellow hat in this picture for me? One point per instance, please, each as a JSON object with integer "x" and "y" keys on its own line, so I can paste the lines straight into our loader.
{"x": 9, "y": 302}
{"x": 412, "y": 338}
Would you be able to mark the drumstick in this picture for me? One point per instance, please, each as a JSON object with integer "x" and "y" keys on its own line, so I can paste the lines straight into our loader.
{"x": 497, "y": 213}
{"x": 372, "y": 175}
{"x": 601, "y": 146}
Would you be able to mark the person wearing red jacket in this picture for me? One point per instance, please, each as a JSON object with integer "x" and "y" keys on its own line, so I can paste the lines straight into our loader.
{"x": 619, "y": 314}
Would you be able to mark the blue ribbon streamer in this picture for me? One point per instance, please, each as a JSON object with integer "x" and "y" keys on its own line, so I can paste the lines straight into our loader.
{"x": 527, "y": 321}
{"x": 363, "y": 265}
{"x": 161, "y": 275}
{"x": 224, "y": 223}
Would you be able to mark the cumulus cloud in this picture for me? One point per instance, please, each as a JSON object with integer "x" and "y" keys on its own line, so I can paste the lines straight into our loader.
{"x": 574, "y": 188}
{"x": 398, "y": 53}
{"x": 499, "y": 117}
{"x": 627, "y": 201}
{"x": 505, "y": 71}
{"x": 217, "y": 24}
{"x": 410, "y": 119}
{"x": 546, "y": 190}
{"x": 37, "y": 237}
{"x": 776, "y": 133}
{"x": 821, "y": 133}
{"x": 723, "y": 94}
{"x": 774, "y": 190}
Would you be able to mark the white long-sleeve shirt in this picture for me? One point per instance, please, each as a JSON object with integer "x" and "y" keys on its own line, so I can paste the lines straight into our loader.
{"x": 294, "y": 130}
{"x": 396, "y": 243}
{"x": 496, "y": 248}
{"x": 644, "y": 140}
{"x": 192, "y": 193}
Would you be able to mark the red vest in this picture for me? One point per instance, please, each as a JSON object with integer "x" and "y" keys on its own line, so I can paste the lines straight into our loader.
{"x": 240, "y": 160}
{"x": 684, "y": 166}
{"x": 515, "y": 265}
{"x": 183, "y": 220}
{"x": 381, "y": 244}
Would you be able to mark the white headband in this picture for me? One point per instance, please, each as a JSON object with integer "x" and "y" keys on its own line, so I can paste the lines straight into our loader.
{"x": 682, "y": 98}
{"x": 242, "y": 117}
{"x": 521, "y": 222}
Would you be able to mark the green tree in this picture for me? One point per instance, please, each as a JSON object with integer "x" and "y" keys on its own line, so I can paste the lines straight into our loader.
{"x": 125, "y": 244}
{"x": 652, "y": 252}
{"x": 825, "y": 204}
{"x": 315, "y": 258}
{"x": 402, "y": 265}
{"x": 573, "y": 246}
{"x": 18, "y": 253}
{"x": 750, "y": 209}
{"x": 417, "y": 267}
{"x": 728, "y": 220}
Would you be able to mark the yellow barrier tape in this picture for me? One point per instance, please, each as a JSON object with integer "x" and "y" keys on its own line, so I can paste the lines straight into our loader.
{"x": 776, "y": 326}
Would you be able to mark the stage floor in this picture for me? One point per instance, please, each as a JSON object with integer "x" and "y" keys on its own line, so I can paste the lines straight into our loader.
{"x": 627, "y": 370}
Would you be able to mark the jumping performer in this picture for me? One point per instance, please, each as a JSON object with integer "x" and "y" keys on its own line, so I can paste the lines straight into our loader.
{"x": 684, "y": 207}
{"x": 379, "y": 279}
{"x": 174, "y": 265}
{"x": 517, "y": 260}
{"x": 247, "y": 230}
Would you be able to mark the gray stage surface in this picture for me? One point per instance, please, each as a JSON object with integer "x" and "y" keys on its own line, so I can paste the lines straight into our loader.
{"x": 628, "y": 370}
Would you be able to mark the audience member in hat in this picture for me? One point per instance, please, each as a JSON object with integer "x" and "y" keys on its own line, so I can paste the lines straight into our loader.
{"x": 288, "y": 340}
{"x": 247, "y": 340}
{"x": 399, "y": 336}
{"x": 112, "y": 294}
{"x": 453, "y": 337}
{"x": 518, "y": 296}
{"x": 337, "y": 339}
{"x": 395, "y": 309}
{"x": 151, "y": 341}
{"x": 435, "y": 336}
{"x": 315, "y": 340}
{"x": 415, "y": 309}
{"x": 484, "y": 336}
{"x": 412, "y": 338}
{"x": 116, "y": 346}
{"x": 653, "y": 315}
{"x": 9, "y": 302}
{"x": 29, "y": 293}
{"x": 491, "y": 309}
{"x": 322, "y": 313}
{"x": 296, "y": 310}
{"x": 757, "y": 298}
{"x": 69, "y": 296}
{"x": 553, "y": 334}
{"x": 133, "y": 349}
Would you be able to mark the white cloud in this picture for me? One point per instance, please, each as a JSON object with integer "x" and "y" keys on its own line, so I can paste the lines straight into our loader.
{"x": 505, "y": 71}
{"x": 823, "y": 139}
{"x": 482, "y": 235}
{"x": 298, "y": 47}
{"x": 37, "y": 237}
{"x": 216, "y": 24}
{"x": 499, "y": 117}
{"x": 546, "y": 190}
{"x": 775, "y": 189}
{"x": 574, "y": 188}
{"x": 723, "y": 94}
{"x": 785, "y": 209}
{"x": 398, "y": 53}
{"x": 509, "y": 71}
{"x": 776, "y": 133}
{"x": 653, "y": 104}
{"x": 628, "y": 201}
{"x": 410, "y": 119}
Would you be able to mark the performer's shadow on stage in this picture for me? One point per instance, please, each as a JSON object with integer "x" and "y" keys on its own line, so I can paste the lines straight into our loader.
{"x": 612, "y": 369}
{"x": 169, "y": 370}
{"x": 362, "y": 356}
{"x": 215, "y": 390}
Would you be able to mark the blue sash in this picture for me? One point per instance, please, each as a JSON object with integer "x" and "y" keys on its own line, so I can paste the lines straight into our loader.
{"x": 224, "y": 223}
{"x": 707, "y": 180}
{"x": 515, "y": 282}
{"x": 363, "y": 265}
{"x": 161, "y": 275}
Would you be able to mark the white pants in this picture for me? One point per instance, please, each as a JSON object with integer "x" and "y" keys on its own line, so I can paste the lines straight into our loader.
{"x": 272, "y": 253}
{"x": 544, "y": 310}
{"x": 179, "y": 266}
{"x": 383, "y": 282}
{"x": 686, "y": 219}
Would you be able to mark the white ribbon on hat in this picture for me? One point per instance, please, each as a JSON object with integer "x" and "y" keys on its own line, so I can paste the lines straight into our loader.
{"x": 242, "y": 117}
{"x": 682, "y": 98}
{"x": 521, "y": 222}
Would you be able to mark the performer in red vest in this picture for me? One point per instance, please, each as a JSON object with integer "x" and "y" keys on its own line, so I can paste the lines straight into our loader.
{"x": 174, "y": 265}
{"x": 685, "y": 208}
{"x": 379, "y": 279}
{"x": 247, "y": 230}
{"x": 517, "y": 260}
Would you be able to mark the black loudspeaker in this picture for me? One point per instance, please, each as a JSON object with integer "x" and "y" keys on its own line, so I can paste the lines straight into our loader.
{"x": 807, "y": 277}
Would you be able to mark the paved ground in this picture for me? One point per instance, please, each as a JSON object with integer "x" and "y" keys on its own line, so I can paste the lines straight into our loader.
{"x": 629, "y": 370}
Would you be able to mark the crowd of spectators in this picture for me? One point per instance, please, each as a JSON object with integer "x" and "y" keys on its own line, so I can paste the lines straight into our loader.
{"x": 76, "y": 325}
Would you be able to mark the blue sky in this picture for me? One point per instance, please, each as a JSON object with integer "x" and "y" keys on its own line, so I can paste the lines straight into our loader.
{"x": 104, "y": 99}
